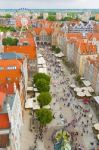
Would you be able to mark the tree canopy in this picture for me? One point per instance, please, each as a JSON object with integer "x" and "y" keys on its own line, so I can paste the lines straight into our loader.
{"x": 44, "y": 116}
{"x": 44, "y": 98}
{"x": 41, "y": 76}
{"x": 6, "y": 29}
{"x": 42, "y": 85}
{"x": 56, "y": 49}
{"x": 51, "y": 18}
{"x": 10, "y": 41}
{"x": 7, "y": 16}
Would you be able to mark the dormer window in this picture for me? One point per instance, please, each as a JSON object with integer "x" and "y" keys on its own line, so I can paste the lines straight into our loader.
{"x": 11, "y": 68}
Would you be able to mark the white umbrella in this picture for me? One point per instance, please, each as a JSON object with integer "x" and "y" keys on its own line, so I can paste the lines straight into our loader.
{"x": 98, "y": 136}
{"x": 96, "y": 126}
{"x": 81, "y": 94}
{"x": 72, "y": 85}
{"x": 77, "y": 89}
{"x": 90, "y": 89}
{"x": 87, "y": 93}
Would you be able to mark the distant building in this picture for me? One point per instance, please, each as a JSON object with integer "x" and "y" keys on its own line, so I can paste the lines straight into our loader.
{"x": 45, "y": 15}
{"x": 97, "y": 17}
{"x": 59, "y": 16}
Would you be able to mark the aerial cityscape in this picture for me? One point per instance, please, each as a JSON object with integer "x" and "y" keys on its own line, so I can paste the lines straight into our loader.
{"x": 49, "y": 75}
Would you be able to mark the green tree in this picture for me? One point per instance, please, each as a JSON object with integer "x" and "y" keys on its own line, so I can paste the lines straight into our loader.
{"x": 44, "y": 116}
{"x": 92, "y": 18}
{"x": 57, "y": 50}
{"x": 10, "y": 41}
{"x": 53, "y": 47}
{"x": 78, "y": 79}
{"x": 51, "y": 18}
{"x": 42, "y": 85}
{"x": 8, "y": 16}
{"x": 44, "y": 98}
{"x": 40, "y": 76}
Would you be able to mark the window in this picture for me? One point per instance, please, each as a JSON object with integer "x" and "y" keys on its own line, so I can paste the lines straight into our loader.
{"x": 11, "y": 68}
{"x": 1, "y": 68}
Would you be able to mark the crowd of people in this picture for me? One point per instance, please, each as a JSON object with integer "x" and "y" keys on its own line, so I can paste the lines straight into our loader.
{"x": 82, "y": 122}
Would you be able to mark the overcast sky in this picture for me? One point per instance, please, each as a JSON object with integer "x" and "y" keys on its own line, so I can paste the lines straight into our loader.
{"x": 49, "y": 4}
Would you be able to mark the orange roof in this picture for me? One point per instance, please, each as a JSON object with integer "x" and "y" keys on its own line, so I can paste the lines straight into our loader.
{"x": 74, "y": 35}
{"x": 87, "y": 48}
{"x": 90, "y": 36}
{"x": 28, "y": 50}
{"x": 4, "y": 121}
{"x": 10, "y": 75}
{"x": 37, "y": 30}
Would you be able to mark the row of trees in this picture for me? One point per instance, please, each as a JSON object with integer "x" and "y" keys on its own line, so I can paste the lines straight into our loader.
{"x": 42, "y": 82}
{"x": 56, "y": 49}
{"x": 10, "y": 41}
{"x": 6, "y": 29}
{"x": 6, "y": 16}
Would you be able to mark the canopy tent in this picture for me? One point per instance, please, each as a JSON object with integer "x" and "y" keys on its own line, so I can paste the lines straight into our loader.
{"x": 86, "y": 82}
{"x": 96, "y": 99}
{"x": 30, "y": 89}
{"x": 73, "y": 86}
{"x": 47, "y": 107}
{"x": 39, "y": 55}
{"x": 35, "y": 89}
{"x": 96, "y": 126}
{"x": 90, "y": 89}
{"x": 41, "y": 60}
{"x": 98, "y": 136}
{"x": 29, "y": 103}
{"x": 59, "y": 55}
{"x": 87, "y": 94}
{"x": 81, "y": 94}
{"x": 42, "y": 70}
{"x": 77, "y": 89}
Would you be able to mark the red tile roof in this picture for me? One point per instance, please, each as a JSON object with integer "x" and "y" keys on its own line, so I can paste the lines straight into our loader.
{"x": 12, "y": 75}
{"x": 28, "y": 50}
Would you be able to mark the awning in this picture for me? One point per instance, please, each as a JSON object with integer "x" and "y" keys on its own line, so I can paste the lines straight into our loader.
{"x": 86, "y": 82}
{"x": 96, "y": 99}
{"x": 96, "y": 126}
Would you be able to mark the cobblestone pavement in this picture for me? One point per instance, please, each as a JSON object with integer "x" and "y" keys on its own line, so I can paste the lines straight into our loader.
{"x": 60, "y": 101}
{"x": 65, "y": 103}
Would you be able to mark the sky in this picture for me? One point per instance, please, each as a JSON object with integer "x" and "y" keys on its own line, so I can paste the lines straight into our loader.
{"x": 49, "y": 4}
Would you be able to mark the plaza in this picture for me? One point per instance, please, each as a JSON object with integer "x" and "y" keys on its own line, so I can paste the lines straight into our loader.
{"x": 68, "y": 112}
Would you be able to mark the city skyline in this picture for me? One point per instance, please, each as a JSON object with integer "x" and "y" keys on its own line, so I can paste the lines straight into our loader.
{"x": 36, "y": 4}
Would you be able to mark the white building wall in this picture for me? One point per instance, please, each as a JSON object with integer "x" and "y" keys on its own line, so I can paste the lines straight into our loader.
{"x": 15, "y": 118}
